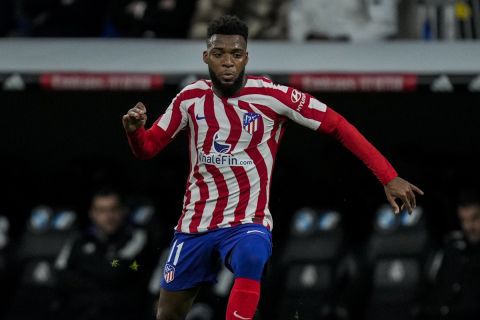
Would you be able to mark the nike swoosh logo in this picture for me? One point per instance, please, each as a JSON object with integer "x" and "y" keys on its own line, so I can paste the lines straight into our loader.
{"x": 257, "y": 231}
{"x": 199, "y": 117}
{"x": 236, "y": 315}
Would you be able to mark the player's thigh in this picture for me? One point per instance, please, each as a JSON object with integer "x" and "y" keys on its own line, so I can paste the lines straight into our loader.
{"x": 174, "y": 305}
{"x": 247, "y": 250}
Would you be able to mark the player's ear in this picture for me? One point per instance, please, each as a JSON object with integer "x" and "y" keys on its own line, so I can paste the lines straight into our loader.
{"x": 205, "y": 56}
{"x": 246, "y": 57}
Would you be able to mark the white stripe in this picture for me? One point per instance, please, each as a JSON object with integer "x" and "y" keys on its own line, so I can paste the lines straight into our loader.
{"x": 207, "y": 213}
{"x": 177, "y": 254}
{"x": 171, "y": 251}
{"x": 252, "y": 173}
{"x": 200, "y": 84}
{"x": 165, "y": 119}
{"x": 202, "y": 170}
{"x": 191, "y": 180}
{"x": 268, "y": 158}
{"x": 227, "y": 172}
{"x": 279, "y": 131}
{"x": 317, "y": 105}
{"x": 198, "y": 108}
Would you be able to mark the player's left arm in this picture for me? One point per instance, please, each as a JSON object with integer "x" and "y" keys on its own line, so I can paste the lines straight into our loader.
{"x": 395, "y": 187}
{"x": 308, "y": 111}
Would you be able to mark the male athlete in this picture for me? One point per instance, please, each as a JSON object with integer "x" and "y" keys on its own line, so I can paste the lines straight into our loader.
{"x": 235, "y": 123}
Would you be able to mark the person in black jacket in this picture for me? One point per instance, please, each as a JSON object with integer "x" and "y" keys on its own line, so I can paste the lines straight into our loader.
{"x": 455, "y": 292}
{"x": 103, "y": 271}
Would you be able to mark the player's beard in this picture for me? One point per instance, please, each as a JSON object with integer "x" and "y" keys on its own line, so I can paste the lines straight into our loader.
{"x": 227, "y": 90}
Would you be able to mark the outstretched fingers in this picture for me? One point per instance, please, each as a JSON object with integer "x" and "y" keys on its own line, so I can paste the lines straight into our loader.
{"x": 416, "y": 189}
{"x": 392, "y": 202}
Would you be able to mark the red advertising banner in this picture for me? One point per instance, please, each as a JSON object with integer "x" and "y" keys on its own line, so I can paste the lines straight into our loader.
{"x": 101, "y": 81}
{"x": 354, "y": 82}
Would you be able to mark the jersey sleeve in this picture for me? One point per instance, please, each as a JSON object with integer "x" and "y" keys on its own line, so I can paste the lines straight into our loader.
{"x": 308, "y": 111}
{"x": 145, "y": 144}
{"x": 175, "y": 117}
{"x": 298, "y": 106}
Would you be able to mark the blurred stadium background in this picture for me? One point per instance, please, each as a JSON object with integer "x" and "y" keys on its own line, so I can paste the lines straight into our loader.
{"x": 406, "y": 73}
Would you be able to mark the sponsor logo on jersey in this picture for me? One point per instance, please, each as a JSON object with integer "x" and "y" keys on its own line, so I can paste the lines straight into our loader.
{"x": 221, "y": 156}
{"x": 169, "y": 273}
{"x": 250, "y": 122}
{"x": 220, "y": 147}
{"x": 297, "y": 97}
{"x": 199, "y": 117}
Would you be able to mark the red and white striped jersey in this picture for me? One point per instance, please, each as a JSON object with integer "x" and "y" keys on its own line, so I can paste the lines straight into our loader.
{"x": 233, "y": 142}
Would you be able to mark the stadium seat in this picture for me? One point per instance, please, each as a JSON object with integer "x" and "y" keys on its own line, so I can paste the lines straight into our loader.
{"x": 143, "y": 214}
{"x": 45, "y": 234}
{"x": 398, "y": 251}
{"x": 311, "y": 261}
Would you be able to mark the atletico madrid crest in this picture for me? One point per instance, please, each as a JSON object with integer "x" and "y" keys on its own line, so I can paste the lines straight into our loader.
{"x": 169, "y": 273}
{"x": 251, "y": 121}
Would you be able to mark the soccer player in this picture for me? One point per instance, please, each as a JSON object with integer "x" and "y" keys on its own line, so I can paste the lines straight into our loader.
{"x": 235, "y": 123}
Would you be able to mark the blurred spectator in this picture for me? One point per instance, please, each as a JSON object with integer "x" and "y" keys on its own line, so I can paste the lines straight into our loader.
{"x": 152, "y": 18}
{"x": 63, "y": 18}
{"x": 455, "y": 290}
{"x": 265, "y": 18}
{"x": 103, "y": 272}
{"x": 6, "y": 17}
{"x": 353, "y": 20}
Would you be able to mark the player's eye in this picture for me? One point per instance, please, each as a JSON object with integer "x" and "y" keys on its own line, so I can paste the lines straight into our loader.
{"x": 217, "y": 54}
{"x": 237, "y": 55}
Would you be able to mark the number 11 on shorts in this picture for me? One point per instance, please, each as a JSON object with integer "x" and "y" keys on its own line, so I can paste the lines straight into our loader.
{"x": 178, "y": 249}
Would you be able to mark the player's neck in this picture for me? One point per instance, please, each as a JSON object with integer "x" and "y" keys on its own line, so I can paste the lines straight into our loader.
{"x": 223, "y": 94}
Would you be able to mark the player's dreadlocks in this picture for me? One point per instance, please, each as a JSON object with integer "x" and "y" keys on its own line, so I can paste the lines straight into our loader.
{"x": 230, "y": 25}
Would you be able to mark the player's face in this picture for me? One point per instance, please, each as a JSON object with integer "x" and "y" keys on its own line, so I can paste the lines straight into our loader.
{"x": 470, "y": 219}
{"x": 107, "y": 213}
{"x": 226, "y": 57}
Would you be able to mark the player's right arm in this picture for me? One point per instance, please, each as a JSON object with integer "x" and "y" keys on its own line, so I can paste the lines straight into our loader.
{"x": 145, "y": 144}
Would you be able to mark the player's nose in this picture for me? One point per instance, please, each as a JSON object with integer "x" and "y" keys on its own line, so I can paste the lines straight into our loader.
{"x": 227, "y": 61}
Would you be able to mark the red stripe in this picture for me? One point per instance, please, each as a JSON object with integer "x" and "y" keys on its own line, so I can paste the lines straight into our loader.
{"x": 256, "y": 156}
{"x": 188, "y": 193}
{"x": 199, "y": 204}
{"x": 223, "y": 193}
{"x": 212, "y": 123}
{"x": 220, "y": 184}
{"x": 273, "y": 146}
{"x": 239, "y": 172}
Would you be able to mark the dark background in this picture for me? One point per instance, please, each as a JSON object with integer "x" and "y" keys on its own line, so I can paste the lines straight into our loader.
{"x": 59, "y": 145}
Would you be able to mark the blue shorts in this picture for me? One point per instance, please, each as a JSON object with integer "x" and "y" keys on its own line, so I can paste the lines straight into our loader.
{"x": 195, "y": 259}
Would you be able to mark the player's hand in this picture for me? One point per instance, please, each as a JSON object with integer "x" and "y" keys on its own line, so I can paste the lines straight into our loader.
{"x": 404, "y": 191}
{"x": 135, "y": 118}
